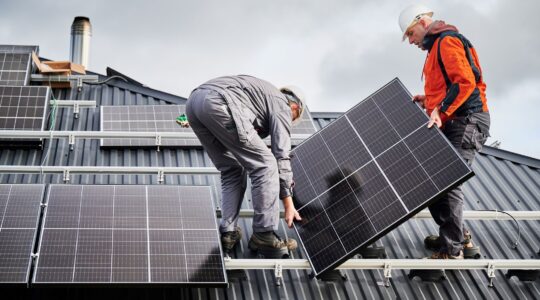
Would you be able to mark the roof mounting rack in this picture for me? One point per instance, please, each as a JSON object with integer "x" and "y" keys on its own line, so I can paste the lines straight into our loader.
{"x": 76, "y": 104}
{"x": 388, "y": 265}
{"x": 66, "y": 81}
{"x": 72, "y": 135}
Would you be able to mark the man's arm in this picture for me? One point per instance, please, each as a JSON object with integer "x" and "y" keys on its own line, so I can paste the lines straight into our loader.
{"x": 280, "y": 132}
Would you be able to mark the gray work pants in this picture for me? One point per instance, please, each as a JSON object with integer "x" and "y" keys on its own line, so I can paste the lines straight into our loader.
{"x": 210, "y": 119}
{"x": 467, "y": 135}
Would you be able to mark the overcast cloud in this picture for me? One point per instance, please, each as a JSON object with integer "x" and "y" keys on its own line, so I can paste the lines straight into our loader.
{"x": 337, "y": 51}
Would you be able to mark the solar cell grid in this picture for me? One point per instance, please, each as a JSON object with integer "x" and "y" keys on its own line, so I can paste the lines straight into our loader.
{"x": 367, "y": 172}
{"x": 161, "y": 118}
{"x": 23, "y": 107}
{"x": 14, "y": 69}
{"x": 129, "y": 234}
{"x": 18, "y": 49}
{"x": 19, "y": 212}
{"x": 145, "y": 118}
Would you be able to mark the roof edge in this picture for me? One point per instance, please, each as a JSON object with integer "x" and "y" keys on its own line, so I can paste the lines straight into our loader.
{"x": 511, "y": 156}
{"x": 124, "y": 82}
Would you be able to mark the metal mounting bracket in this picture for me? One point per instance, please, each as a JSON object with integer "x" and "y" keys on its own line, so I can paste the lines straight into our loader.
{"x": 491, "y": 274}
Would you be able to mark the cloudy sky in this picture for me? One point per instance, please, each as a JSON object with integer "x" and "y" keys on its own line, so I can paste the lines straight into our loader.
{"x": 338, "y": 51}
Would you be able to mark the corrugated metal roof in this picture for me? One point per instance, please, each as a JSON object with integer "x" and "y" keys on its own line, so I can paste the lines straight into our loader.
{"x": 504, "y": 181}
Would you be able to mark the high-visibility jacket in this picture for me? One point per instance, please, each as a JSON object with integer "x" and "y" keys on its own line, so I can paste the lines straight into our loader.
{"x": 453, "y": 77}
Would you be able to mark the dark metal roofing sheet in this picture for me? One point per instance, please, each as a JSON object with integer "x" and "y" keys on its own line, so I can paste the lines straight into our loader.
{"x": 502, "y": 181}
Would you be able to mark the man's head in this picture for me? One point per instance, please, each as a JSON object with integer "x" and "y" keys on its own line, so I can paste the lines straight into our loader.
{"x": 296, "y": 99}
{"x": 414, "y": 22}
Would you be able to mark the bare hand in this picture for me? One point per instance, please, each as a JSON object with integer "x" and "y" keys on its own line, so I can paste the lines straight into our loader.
{"x": 420, "y": 99}
{"x": 290, "y": 212}
{"x": 435, "y": 118}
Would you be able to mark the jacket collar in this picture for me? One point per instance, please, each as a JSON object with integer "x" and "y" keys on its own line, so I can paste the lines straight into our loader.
{"x": 434, "y": 31}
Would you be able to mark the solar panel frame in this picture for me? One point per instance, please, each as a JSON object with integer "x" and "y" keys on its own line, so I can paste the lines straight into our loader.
{"x": 24, "y": 231}
{"x": 324, "y": 252}
{"x": 125, "y": 228}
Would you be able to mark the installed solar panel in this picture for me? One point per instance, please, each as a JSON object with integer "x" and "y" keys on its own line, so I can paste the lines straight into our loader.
{"x": 18, "y": 49}
{"x": 105, "y": 234}
{"x": 161, "y": 118}
{"x": 19, "y": 212}
{"x": 367, "y": 172}
{"x": 147, "y": 118}
{"x": 23, "y": 107}
{"x": 15, "y": 68}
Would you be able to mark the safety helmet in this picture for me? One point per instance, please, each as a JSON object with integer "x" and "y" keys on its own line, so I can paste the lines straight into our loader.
{"x": 411, "y": 15}
{"x": 294, "y": 94}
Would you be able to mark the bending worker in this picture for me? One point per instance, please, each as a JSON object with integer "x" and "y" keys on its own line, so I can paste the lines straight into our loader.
{"x": 455, "y": 100}
{"x": 231, "y": 115}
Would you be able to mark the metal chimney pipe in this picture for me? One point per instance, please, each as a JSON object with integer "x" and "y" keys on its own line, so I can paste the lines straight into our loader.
{"x": 81, "y": 31}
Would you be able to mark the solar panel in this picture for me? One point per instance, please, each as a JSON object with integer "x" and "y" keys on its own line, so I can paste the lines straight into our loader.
{"x": 18, "y": 49}
{"x": 15, "y": 68}
{"x": 111, "y": 234}
{"x": 146, "y": 118}
{"x": 23, "y": 107}
{"x": 19, "y": 212}
{"x": 161, "y": 118}
{"x": 367, "y": 172}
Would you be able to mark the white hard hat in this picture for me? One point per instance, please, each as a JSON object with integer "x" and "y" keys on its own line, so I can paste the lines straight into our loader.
{"x": 296, "y": 95}
{"x": 410, "y": 15}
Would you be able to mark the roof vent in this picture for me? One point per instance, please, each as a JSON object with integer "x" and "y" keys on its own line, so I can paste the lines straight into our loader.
{"x": 81, "y": 31}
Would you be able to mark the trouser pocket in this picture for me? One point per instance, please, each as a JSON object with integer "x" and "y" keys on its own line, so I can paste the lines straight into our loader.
{"x": 476, "y": 131}
{"x": 468, "y": 134}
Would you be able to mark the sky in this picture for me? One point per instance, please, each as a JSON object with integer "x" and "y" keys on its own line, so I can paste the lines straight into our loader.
{"x": 337, "y": 51}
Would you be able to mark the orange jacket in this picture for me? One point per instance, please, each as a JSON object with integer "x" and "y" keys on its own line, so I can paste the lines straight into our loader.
{"x": 465, "y": 91}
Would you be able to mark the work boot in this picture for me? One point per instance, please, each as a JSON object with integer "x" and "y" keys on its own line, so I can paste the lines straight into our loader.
{"x": 269, "y": 245}
{"x": 442, "y": 255}
{"x": 229, "y": 239}
{"x": 432, "y": 243}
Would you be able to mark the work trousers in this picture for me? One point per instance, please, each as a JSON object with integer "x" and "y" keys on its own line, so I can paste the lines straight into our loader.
{"x": 210, "y": 118}
{"x": 467, "y": 135}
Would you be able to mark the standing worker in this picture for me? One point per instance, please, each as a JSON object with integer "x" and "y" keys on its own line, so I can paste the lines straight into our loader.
{"x": 231, "y": 115}
{"x": 455, "y": 100}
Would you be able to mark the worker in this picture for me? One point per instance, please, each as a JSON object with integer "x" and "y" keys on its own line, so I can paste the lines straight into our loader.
{"x": 231, "y": 116}
{"x": 455, "y": 100}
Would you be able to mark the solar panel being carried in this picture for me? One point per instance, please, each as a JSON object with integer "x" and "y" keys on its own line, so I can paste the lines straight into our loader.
{"x": 161, "y": 118}
{"x": 367, "y": 172}
{"x": 122, "y": 234}
{"x": 19, "y": 213}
